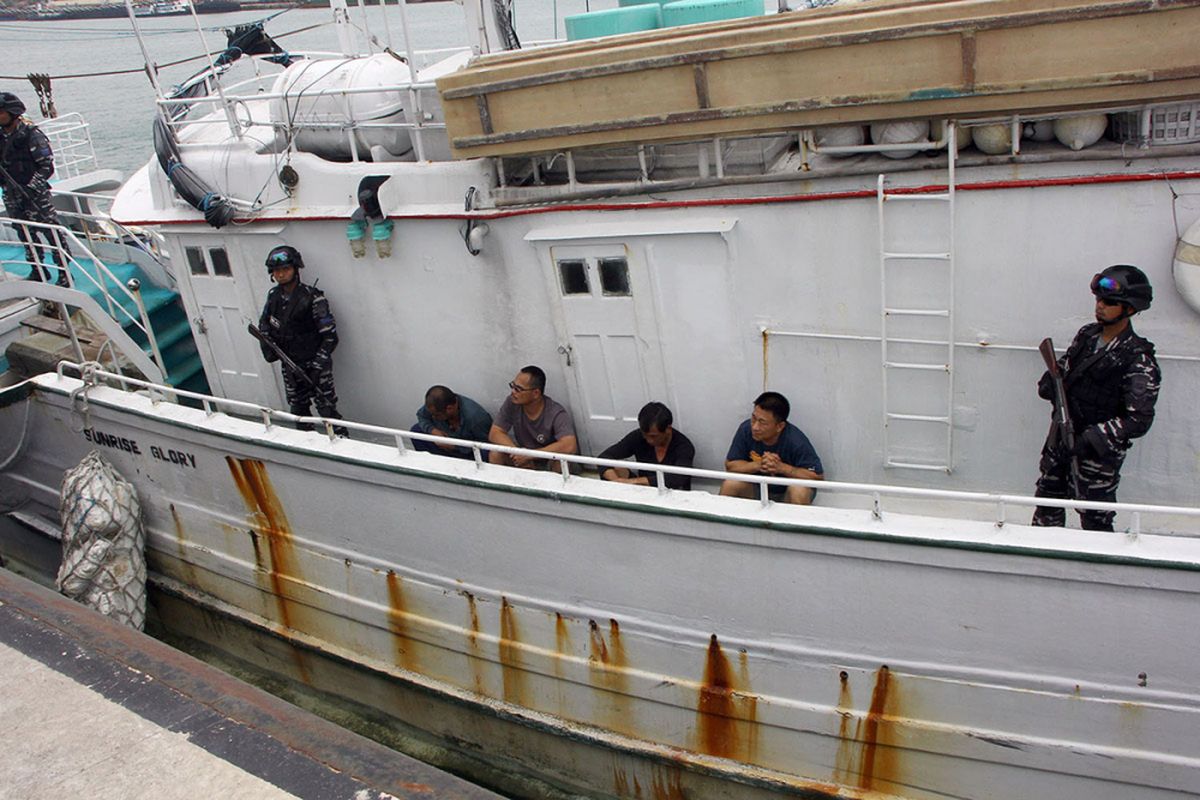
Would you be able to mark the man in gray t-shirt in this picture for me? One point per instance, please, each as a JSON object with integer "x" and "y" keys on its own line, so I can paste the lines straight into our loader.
{"x": 535, "y": 421}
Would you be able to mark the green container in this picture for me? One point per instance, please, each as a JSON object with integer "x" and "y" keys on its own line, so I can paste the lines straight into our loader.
{"x": 610, "y": 21}
{"x": 627, "y": 3}
{"x": 690, "y": 12}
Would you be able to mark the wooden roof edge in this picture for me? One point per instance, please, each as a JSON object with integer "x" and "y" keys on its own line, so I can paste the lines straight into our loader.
{"x": 468, "y": 84}
{"x": 862, "y": 18}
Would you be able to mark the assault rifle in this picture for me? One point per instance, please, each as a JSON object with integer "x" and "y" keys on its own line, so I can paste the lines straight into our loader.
{"x": 7, "y": 178}
{"x": 283, "y": 357}
{"x": 1062, "y": 417}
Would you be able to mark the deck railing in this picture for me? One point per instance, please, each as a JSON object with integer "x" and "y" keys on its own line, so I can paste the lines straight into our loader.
{"x": 402, "y": 439}
{"x": 92, "y": 220}
{"x": 110, "y": 288}
{"x": 243, "y": 112}
{"x": 71, "y": 140}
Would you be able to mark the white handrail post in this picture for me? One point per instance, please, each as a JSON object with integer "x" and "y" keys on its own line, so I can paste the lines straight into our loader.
{"x": 234, "y": 128}
{"x": 137, "y": 33}
{"x": 366, "y": 28}
{"x": 341, "y": 23}
{"x": 135, "y": 288}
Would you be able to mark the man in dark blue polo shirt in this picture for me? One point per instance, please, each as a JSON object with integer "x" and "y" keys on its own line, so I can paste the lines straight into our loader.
{"x": 767, "y": 444}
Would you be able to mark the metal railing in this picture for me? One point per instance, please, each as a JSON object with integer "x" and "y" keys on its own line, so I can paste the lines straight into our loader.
{"x": 242, "y": 112}
{"x": 71, "y": 140}
{"x": 108, "y": 285}
{"x": 97, "y": 226}
{"x": 403, "y": 439}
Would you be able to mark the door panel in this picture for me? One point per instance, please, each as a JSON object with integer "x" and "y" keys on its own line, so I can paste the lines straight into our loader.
{"x": 232, "y": 359}
{"x": 607, "y": 326}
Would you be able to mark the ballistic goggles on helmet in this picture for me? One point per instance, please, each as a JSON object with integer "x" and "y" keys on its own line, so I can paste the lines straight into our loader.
{"x": 278, "y": 259}
{"x": 1106, "y": 285}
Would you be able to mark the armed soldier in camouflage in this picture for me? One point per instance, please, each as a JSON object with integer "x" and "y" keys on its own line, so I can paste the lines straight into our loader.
{"x": 27, "y": 163}
{"x": 1112, "y": 380}
{"x": 297, "y": 319}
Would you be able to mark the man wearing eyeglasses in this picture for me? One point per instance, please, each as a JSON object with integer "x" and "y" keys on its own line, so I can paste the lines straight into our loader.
{"x": 1112, "y": 380}
{"x": 535, "y": 422}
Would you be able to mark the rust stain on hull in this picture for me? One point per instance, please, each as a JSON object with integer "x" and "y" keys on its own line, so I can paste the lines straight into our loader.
{"x": 844, "y": 763}
{"x": 666, "y": 784}
{"x": 473, "y": 654}
{"x": 510, "y": 655}
{"x": 726, "y": 712}
{"x": 402, "y": 641}
{"x": 562, "y": 643}
{"x": 620, "y": 782}
{"x": 617, "y": 649}
{"x": 269, "y": 520}
{"x": 188, "y": 568}
{"x": 599, "y": 650}
{"x": 879, "y": 758}
{"x": 869, "y": 759}
{"x": 608, "y": 667}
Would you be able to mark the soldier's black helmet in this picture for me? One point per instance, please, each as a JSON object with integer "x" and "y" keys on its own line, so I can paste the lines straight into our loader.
{"x": 1124, "y": 283}
{"x": 11, "y": 103}
{"x": 284, "y": 256}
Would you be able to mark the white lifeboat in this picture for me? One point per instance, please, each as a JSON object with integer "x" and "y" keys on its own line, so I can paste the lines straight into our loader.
{"x": 1186, "y": 268}
{"x": 321, "y": 102}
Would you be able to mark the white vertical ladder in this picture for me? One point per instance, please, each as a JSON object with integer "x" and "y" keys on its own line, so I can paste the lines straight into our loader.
{"x": 942, "y": 414}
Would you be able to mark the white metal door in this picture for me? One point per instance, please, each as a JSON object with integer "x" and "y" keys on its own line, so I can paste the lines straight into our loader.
{"x": 609, "y": 339}
{"x": 231, "y": 356}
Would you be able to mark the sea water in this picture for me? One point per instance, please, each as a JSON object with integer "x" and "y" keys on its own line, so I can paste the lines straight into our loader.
{"x": 120, "y": 107}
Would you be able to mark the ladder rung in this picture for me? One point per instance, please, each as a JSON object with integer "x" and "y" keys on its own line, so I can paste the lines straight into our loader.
{"x": 916, "y": 256}
{"x": 912, "y": 465}
{"x": 917, "y": 312}
{"x": 919, "y": 418}
{"x": 917, "y": 197}
{"x": 910, "y": 365}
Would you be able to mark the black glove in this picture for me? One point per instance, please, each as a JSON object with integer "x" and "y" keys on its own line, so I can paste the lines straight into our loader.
{"x": 1046, "y": 387}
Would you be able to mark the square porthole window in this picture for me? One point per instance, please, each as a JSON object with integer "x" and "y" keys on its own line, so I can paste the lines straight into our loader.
{"x": 220, "y": 261}
{"x": 614, "y": 277}
{"x": 195, "y": 260}
{"x": 573, "y": 275}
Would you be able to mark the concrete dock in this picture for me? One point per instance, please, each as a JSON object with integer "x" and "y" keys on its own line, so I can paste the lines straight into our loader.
{"x": 94, "y": 709}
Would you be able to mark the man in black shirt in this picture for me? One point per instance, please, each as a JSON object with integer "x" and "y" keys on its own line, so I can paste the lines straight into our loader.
{"x": 654, "y": 442}
{"x": 1111, "y": 379}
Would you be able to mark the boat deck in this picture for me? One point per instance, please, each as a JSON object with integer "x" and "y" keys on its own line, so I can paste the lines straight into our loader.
{"x": 96, "y": 709}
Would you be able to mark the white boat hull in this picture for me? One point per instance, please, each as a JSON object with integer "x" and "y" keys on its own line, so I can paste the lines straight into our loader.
{"x": 578, "y": 631}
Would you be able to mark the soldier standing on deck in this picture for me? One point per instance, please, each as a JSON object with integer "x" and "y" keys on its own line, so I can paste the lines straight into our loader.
{"x": 28, "y": 163}
{"x": 297, "y": 319}
{"x": 1111, "y": 379}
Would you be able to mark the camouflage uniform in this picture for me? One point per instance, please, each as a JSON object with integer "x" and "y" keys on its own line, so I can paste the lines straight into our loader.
{"x": 27, "y": 157}
{"x": 302, "y": 325}
{"x": 1111, "y": 394}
